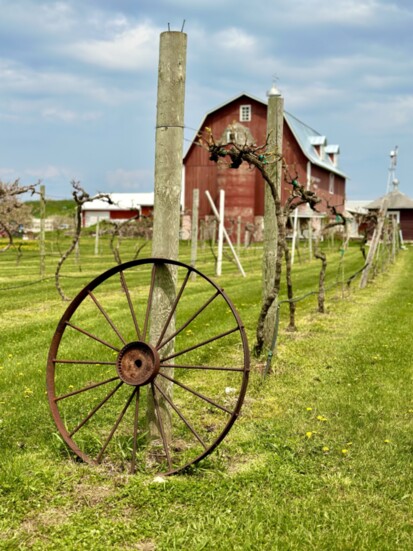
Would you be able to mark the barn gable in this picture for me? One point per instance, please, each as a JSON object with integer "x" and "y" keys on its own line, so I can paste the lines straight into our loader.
{"x": 308, "y": 156}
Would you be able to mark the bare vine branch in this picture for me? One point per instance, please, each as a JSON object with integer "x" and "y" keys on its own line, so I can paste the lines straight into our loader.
{"x": 80, "y": 196}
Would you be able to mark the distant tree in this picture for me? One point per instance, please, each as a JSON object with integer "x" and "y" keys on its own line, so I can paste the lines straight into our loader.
{"x": 13, "y": 213}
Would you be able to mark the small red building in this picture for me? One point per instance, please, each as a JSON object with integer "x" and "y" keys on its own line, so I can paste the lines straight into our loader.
{"x": 400, "y": 207}
{"x": 122, "y": 207}
{"x": 306, "y": 152}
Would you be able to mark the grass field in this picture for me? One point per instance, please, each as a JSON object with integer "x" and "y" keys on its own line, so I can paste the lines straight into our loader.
{"x": 320, "y": 458}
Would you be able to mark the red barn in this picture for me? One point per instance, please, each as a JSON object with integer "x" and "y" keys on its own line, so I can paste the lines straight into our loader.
{"x": 242, "y": 118}
{"x": 400, "y": 207}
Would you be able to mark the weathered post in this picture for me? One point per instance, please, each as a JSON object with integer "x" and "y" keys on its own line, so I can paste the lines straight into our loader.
{"x": 194, "y": 229}
{"x": 42, "y": 230}
{"x": 374, "y": 242}
{"x": 239, "y": 234}
{"x": 168, "y": 177}
{"x": 275, "y": 120}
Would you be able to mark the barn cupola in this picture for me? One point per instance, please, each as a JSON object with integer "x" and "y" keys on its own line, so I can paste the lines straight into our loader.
{"x": 273, "y": 91}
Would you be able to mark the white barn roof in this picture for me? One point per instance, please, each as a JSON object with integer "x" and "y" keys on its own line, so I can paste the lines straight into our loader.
{"x": 121, "y": 201}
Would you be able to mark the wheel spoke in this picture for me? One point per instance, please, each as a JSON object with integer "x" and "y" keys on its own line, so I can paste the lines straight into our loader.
{"x": 203, "y": 343}
{"x": 135, "y": 432}
{"x": 212, "y": 368}
{"x": 83, "y": 362}
{"x": 115, "y": 426}
{"x": 192, "y": 391}
{"x": 92, "y": 336}
{"x": 160, "y": 424}
{"x": 171, "y": 313}
{"x": 98, "y": 404}
{"x": 84, "y": 389}
{"x": 181, "y": 415}
{"x": 106, "y": 316}
{"x": 149, "y": 305}
{"x": 131, "y": 308}
{"x": 191, "y": 319}
{"x": 96, "y": 408}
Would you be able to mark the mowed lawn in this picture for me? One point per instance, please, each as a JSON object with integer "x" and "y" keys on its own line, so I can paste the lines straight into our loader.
{"x": 320, "y": 458}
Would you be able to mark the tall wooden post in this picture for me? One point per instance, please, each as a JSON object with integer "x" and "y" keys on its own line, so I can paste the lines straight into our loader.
{"x": 194, "y": 229}
{"x": 168, "y": 178}
{"x": 275, "y": 120}
{"x": 42, "y": 247}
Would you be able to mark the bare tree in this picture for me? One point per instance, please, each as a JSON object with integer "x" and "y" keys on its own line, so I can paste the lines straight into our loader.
{"x": 80, "y": 196}
{"x": 136, "y": 226}
{"x": 234, "y": 154}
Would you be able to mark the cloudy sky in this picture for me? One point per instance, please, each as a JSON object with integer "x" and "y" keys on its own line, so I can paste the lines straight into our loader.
{"x": 78, "y": 82}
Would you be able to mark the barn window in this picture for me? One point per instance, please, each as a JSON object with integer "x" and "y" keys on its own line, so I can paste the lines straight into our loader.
{"x": 245, "y": 113}
{"x": 331, "y": 184}
{"x": 232, "y": 136}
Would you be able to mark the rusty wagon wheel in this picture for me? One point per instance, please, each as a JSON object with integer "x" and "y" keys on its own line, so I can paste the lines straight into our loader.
{"x": 122, "y": 397}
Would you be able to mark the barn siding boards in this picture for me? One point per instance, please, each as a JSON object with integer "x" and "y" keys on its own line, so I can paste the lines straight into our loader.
{"x": 244, "y": 187}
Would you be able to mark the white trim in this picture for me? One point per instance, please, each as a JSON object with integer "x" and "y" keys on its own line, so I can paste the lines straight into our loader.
{"x": 331, "y": 183}
{"x": 245, "y": 112}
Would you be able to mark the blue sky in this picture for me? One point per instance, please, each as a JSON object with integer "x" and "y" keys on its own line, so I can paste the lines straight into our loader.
{"x": 78, "y": 82}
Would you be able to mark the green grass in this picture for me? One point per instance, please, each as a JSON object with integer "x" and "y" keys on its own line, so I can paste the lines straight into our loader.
{"x": 63, "y": 207}
{"x": 320, "y": 458}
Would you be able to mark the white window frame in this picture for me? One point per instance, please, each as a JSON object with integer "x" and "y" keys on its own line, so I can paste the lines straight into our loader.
{"x": 331, "y": 184}
{"x": 245, "y": 113}
{"x": 231, "y": 136}
{"x": 394, "y": 214}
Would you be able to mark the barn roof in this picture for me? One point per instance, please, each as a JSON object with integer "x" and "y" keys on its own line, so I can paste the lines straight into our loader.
{"x": 356, "y": 206}
{"x": 121, "y": 201}
{"x": 308, "y": 139}
{"x": 396, "y": 201}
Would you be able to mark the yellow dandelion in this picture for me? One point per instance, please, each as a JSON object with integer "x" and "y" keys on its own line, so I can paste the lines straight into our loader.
{"x": 326, "y": 449}
{"x": 309, "y": 434}
{"x": 309, "y": 409}
{"x": 344, "y": 451}
{"x": 387, "y": 441}
{"x": 321, "y": 418}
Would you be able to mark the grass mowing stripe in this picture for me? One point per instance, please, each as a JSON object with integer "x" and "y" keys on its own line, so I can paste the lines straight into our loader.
{"x": 320, "y": 459}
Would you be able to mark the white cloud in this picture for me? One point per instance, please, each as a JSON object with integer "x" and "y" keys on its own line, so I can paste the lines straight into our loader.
{"x": 19, "y": 79}
{"x": 393, "y": 114}
{"x": 346, "y": 12}
{"x": 234, "y": 39}
{"x": 130, "y": 49}
{"x": 69, "y": 116}
{"x": 130, "y": 180}
{"x": 28, "y": 175}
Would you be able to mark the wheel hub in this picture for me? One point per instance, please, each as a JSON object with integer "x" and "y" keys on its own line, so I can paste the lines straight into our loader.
{"x": 138, "y": 363}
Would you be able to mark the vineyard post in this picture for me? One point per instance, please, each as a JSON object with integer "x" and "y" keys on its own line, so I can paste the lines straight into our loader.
{"x": 168, "y": 178}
